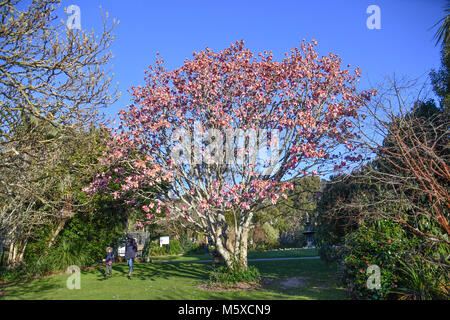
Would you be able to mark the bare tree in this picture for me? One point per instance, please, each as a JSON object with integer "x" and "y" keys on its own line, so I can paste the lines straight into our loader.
{"x": 52, "y": 82}
{"x": 409, "y": 136}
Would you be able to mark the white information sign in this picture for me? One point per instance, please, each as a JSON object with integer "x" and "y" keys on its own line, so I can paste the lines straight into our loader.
{"x": 163, "y": 240}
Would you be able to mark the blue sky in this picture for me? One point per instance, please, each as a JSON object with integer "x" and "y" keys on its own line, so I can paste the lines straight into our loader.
{"x": 404, "y": 45}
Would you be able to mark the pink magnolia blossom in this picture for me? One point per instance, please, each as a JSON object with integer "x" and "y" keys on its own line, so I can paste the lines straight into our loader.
{"x": 305, "y": 102}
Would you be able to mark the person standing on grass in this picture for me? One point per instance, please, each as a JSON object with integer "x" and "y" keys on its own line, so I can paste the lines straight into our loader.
{"x": 130, "y": 253}
{"x": 108, "y": 261}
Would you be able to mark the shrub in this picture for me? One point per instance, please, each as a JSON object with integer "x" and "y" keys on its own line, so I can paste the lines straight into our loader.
{"x": 264, "y": 237}
{"x": 226, "y": 277}
{"x": 422, "y": 281}
{"x": 405, "y": 266}
{"x": 13, "y": 274}
{"x": 174, "y": 247}
{"x": 186, "y": 243}
{"x": 71, "y": 253}
{"x": 197, "y": 249}
{"x": 270, "y": 233}
{"x": 152, "y": 248}
{"x": 382, "y": 243}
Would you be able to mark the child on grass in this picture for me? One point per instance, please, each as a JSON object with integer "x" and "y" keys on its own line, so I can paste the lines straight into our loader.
{"x": 108, "y": 260}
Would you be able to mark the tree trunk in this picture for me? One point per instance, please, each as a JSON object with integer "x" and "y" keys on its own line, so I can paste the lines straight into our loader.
{"x": 234, "y": 253}
{"x": 16, "y": 252}
{"x": 2, "y": 259}
{"x": 56, "y": 232}
{"x": 243, "y": 248}
{"x": 220, "y": 241}
{"x": 22, "y": 252}
{"x": 12, "y": 254}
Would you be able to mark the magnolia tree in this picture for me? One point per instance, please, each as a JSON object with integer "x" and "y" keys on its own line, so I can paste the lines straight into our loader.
{"x": 228, "y": 132}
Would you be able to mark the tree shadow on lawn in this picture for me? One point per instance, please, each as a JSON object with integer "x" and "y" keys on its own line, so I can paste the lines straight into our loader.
{"x": 20, "y": 289}
{"x": 153, "y": 271}
{"x": 283, "y": 280}
{"x": 315, "y": 280}
{"x": 116, "y": 268}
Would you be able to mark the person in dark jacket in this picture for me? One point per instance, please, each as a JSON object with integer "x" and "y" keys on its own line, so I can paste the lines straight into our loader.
{"x": 130, "y": 253}
{"x": 108, "y": 261}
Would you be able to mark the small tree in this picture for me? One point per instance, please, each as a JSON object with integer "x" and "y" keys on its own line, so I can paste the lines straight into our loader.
{"x": 227, "y": 131}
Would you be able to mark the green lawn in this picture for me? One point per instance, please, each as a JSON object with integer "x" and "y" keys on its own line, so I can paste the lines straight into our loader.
{"x": 174, "y": 281}
{"x": 251, "y": 255}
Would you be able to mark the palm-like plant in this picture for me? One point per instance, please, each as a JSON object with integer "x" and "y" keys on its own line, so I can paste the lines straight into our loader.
{"x": 422, "y": 281}
{"x": 443, "y": 33}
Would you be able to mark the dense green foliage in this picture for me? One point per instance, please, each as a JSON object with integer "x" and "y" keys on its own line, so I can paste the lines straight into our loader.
{"x": 440, "y": 78}
{"x": 399, "y": 254}
{"x": 404, "y": 259}
{"x": 82, "y": 242}
{"x": 270, "y": 232}
{"x": 381, "y": 243}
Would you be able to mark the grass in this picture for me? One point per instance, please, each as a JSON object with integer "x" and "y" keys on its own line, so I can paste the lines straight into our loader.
{"x": 174, "y": 281}
{"x": 283, "y": 253}
{"x": 251, "y": 255}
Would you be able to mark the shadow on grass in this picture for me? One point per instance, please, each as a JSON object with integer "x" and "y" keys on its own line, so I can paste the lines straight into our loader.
{"x": 20, "y": 289}
{"x": 116, "y": 268}
{"x": 319, "y": 281}
{"x": 154, "y": 271}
